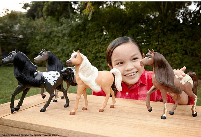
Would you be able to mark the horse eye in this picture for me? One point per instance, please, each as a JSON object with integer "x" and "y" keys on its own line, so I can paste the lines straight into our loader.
{"x": 75, "y": 56}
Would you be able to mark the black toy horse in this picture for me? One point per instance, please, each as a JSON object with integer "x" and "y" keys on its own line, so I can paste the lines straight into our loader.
{"x": 54, "y": 64}
{"x": 27, "y": 75}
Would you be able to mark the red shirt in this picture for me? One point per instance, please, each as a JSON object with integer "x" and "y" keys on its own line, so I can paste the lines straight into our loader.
{"x": 138, "y": 90}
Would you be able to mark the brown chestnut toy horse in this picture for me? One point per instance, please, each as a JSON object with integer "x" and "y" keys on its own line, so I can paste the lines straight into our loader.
{"x": 164, "y": 79}
{"x": 88, "y": 76}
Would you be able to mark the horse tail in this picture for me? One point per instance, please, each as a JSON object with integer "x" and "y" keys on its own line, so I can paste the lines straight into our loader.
{"x": 194, "y": 76}
{"x": 118, "y": 78}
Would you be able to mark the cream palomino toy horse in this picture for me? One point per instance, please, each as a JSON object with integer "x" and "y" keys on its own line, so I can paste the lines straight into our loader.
{"x": 88, "y": 76}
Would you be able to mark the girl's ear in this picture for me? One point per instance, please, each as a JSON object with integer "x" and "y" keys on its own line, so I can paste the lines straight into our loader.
{"x": 110, "y": 66}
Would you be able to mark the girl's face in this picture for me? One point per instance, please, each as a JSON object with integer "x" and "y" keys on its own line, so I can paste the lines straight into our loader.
{"x": 126, "y": 58}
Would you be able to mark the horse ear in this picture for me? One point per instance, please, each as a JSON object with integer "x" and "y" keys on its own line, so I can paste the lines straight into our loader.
{"x": 78, "y": 51}
{"x": 73, "y": 51}
{"x": 149, "y": 50}
{"x": 152, "y": 51}
{"x": 143, "y": 55}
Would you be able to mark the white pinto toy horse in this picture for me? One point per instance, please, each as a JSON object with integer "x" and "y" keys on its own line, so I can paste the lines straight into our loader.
{"x": 88, "y": 76}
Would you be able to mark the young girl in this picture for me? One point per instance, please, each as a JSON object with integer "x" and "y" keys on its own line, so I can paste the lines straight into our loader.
{"x": 125, "y": 55}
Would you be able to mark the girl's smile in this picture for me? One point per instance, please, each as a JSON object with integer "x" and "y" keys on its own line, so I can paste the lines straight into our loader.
{"x": 131, "y": 74}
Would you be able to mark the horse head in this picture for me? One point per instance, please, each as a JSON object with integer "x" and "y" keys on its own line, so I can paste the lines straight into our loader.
{"x": 148, "y": 59}
{"x": 76, "y": 59}
{"x": 42, "y": 56}
{"x": 10, "y": 57}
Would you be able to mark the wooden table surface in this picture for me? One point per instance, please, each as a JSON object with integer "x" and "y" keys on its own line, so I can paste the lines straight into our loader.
{"x": 128, "y": 118}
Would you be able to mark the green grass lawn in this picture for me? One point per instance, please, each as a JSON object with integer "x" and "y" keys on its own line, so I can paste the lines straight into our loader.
{"x": 8, "y": 83}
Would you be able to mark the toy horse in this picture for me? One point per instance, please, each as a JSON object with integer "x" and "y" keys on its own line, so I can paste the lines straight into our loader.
{"x": 195, "y": 81}
{"x": 165, "y": 80}
{"x": 54, "y": 64}
{"x": 88, "y": 76}
{"x": 27, "y": 75}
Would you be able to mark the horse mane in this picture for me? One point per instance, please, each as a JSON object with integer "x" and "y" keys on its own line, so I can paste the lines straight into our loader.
{"x": 24, "y": 70}
{"x": 88, "y": 73}
{"x": 164, "y": 73}
{"x": 53, "y": 63}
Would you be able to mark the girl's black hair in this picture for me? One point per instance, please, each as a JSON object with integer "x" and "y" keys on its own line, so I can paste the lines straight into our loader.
{"x": 117, "y": 42}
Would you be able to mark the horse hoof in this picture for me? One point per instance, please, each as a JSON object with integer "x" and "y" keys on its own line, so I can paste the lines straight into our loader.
{"x": 62, "y": 97}
{"x": 84, "y": 108}
{"x": 72, "y": 113}
{"x": 55, "y": 100}
{"x": 17, "y": 108}
{"x": 12, "y": 110}
{"x": 43, "y": 96}
{"x": 43, "y": 110}
{"x": 150, "y": 109}
{"x": 171, "y": 112}
{"x": 163, "y": 117}
{"x": 194, "y": 115}
{"x": 111, "y": 106}
{"x": 66, "y": 105}
{"x": 101, "y": 110}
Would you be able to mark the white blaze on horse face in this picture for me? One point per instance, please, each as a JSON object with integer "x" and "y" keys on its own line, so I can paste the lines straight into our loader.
{"x": 73, "y": 54}
{"x": 73, "y": 58}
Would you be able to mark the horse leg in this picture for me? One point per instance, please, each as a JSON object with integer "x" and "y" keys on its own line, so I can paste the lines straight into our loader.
{"x": 68, "y": 85}
{"x": 17, "y": 91}
{"x": 113, "y": 98}
{"x": 190, "y": 93}
{"x": 85, "y": 99}
{"x": 107, "y": 92}
{"x": 164, "y": 96}
{"x": 56, "y": 95}
{"x": 152, "y": 89}
{"x": 65, "y": 95}
{"x": 22, "y": 99}
{"x": 80, "y": 89}
{"x": 175, "y": 105}
{"x": 50, "y": 90}
{"x": 42, "y": 93}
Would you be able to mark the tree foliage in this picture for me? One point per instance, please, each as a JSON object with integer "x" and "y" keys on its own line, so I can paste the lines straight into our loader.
{"x": 167, "y": 27}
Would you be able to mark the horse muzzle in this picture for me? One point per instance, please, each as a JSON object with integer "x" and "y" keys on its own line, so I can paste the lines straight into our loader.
{"x": 69, "y": 63}
{"x": 141, "y": 63}
{"x": 5, "y": 61}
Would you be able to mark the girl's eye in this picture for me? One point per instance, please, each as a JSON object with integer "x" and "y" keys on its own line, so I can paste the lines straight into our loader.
{"x": 135, "y": 58}
{"x": 119, "y": 63}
